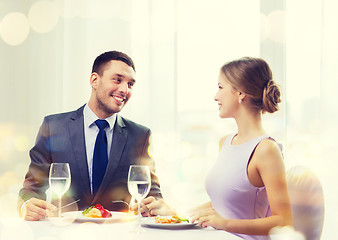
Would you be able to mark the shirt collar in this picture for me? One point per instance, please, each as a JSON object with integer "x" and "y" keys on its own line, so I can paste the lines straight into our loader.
{"x": 90, "y": 118}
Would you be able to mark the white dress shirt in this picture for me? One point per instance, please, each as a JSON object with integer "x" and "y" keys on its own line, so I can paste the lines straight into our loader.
{"x": 90, "y": 131}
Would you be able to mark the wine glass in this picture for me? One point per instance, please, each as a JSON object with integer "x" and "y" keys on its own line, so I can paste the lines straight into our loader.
{"x": 59, "y": 180}
{"x": 139, "y": 184}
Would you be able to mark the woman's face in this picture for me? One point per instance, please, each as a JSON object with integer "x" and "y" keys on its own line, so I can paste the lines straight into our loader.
{"x": 226, "y": 97}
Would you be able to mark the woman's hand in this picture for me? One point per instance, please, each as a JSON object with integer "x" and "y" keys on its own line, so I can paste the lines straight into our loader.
{"x": 209, "y": 217}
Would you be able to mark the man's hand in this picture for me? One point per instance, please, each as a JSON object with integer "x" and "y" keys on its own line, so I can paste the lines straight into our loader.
{"x": 36, "y": 209}
{"x": 153, "y": 207}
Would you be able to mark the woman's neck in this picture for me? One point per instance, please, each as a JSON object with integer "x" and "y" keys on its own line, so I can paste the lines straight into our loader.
{"x": 249, "y": 126}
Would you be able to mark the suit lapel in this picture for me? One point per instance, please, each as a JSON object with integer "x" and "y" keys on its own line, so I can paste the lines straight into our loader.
{"x": 76, "y": 131}
{"x": 118, "y": 144}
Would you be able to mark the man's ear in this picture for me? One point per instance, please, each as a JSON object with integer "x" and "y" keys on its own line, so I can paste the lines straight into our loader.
{"x": 93, "y": 79}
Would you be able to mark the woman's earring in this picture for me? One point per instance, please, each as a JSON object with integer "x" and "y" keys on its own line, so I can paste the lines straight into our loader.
{"x": 240, "y": 101}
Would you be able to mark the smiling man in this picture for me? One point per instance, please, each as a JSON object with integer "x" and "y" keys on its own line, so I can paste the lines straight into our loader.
{"x": 98, "y": 144}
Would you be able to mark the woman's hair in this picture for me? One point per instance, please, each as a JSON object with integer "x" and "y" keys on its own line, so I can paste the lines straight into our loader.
{"x": 253, "y": 77}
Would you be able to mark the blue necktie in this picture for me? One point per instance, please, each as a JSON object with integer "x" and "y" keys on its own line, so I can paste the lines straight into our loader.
{"x": 100, "y": 157}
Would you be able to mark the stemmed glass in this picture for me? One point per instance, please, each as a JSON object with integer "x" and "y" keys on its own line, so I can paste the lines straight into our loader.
{"x": 59, "y": 180}
{"x": 139, "y": 182}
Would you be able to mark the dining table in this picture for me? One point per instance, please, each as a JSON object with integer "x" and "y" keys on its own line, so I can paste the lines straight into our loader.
{"x": 130, "y": 229}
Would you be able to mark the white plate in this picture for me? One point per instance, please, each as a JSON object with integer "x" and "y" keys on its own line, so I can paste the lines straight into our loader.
{"x": 150, "y": 222}
{"x": 116, "y": 217}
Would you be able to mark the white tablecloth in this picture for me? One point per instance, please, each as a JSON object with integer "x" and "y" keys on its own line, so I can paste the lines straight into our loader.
{"x": 16, "y": 228}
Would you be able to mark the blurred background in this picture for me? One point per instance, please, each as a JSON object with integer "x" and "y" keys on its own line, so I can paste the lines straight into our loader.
{"x": 47, "y": 49}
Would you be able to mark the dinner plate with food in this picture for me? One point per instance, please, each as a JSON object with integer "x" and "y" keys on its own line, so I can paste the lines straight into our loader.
{"x": 167, "y": 222}
{"x": 98, "y": 214}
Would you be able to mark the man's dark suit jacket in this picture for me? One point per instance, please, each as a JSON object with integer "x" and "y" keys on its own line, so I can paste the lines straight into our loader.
{"x": 61, "y": 139}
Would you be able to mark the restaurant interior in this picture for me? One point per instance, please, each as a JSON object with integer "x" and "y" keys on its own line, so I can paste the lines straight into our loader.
{"x": 47, "y": 48}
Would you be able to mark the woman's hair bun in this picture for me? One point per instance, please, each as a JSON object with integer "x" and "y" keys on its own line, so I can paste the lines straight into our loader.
{"x": 271, "y": 97}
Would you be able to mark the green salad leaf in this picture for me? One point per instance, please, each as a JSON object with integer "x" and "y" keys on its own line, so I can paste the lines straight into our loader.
{"x": 87, "y": 210}
{"x": 182, "y": 219}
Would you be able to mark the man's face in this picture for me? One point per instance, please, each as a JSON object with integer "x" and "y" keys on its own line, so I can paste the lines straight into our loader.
{"x": 112, "y": 90}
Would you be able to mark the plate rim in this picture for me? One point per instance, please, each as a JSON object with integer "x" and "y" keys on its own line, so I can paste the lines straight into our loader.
{"x": 182, "y": 225}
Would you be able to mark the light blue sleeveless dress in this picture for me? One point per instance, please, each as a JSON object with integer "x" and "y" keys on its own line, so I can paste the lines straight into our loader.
{"x": 227, "y": 184}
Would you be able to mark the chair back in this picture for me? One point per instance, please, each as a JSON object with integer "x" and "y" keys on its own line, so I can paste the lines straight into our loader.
{"x": 307, "y": 202}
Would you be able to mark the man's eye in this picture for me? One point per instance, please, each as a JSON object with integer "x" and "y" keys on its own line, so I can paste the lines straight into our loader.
{"x": 117, "y": 80}
{"x": 131, "y": 84}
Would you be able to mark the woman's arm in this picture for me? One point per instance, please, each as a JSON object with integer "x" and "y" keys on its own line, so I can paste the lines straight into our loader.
{"x": 261, "y": 226}
{"x": 267, "y": 162}
{"x": 266, "y": 168}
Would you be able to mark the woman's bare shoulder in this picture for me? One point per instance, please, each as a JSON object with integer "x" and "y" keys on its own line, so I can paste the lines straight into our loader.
{"x": 221, "y": 141}
{"x": 268, "y": 146}
{"x": 268, "y": 152}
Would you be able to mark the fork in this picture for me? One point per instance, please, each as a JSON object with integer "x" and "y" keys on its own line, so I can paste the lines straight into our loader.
{"x": 120, "y": 201}
{"x": 70, "y": 203}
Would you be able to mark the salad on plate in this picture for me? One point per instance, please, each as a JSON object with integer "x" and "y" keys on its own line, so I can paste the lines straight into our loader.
{"x": 97, "y": 211}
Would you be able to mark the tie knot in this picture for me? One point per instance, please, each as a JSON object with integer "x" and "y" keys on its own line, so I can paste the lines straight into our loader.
{"x": 102, "y": 124}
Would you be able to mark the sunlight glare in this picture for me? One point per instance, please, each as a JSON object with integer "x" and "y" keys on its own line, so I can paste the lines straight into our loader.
{"x": 285, "y": 233}
{"x": 10, "y": 230}
{"x": 43, "y": 16}
{"x": 14, "y": 28}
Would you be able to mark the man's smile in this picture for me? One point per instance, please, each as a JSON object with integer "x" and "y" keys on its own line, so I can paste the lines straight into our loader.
{"x": 119, "y": 99}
